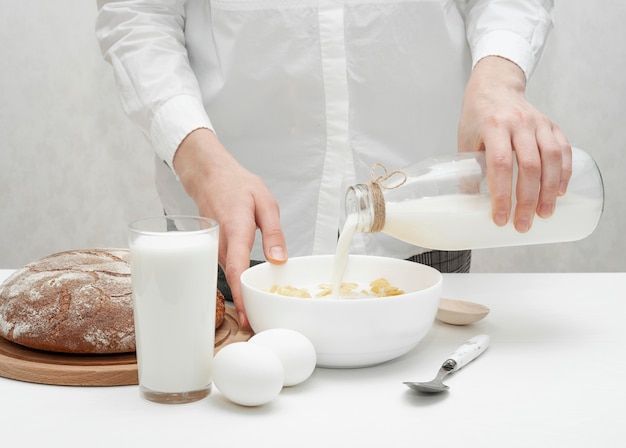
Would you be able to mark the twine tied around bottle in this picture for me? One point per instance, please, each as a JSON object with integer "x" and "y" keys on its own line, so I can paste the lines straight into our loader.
{"x": 377, "y": 185}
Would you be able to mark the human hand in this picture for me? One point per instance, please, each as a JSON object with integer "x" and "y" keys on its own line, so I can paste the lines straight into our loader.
{"x": 239, "y": 200}
{"x": 497, "y": 118}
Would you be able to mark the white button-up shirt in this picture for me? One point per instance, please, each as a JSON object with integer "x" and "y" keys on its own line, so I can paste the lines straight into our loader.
{"x": 308, "y": 94}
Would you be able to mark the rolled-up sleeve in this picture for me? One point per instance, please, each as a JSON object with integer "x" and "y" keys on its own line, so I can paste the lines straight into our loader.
{"x": 513, "y": 29}
{"x": 144, "y": 42}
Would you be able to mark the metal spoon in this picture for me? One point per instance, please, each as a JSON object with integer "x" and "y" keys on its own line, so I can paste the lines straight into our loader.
{"x": 461, "y": 356}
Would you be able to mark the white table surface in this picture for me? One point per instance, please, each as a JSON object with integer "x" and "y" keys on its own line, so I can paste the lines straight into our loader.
{"x": 554, "y": 376}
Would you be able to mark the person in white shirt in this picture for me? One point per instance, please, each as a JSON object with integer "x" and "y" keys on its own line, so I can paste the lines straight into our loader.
{"x": 263, "y": 112}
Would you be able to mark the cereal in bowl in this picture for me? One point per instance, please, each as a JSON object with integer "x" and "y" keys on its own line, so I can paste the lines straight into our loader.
{"x": 380, "y": 287}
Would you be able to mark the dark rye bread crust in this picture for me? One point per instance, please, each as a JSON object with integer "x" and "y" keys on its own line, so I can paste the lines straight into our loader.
{"x": 74, "y": 302}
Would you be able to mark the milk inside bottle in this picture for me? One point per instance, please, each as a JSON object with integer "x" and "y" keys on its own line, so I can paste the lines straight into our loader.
{"x": 444, "y": 204}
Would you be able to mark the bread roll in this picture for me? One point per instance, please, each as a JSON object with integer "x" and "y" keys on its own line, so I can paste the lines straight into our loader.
{"x": 74, "y": 302}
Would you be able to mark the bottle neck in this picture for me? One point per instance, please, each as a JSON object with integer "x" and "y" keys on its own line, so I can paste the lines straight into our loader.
{"x": 366, "y": 201}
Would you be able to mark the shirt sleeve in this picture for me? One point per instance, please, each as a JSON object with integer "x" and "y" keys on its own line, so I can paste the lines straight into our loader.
{"x": 144, "y": 42}
{"x": 513, "y": 29}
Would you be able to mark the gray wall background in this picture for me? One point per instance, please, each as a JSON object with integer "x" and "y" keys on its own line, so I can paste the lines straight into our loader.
{"x": 74, "y": 171}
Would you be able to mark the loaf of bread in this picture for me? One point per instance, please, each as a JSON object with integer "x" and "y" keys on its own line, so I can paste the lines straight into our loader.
{"x": 74, "y": 302}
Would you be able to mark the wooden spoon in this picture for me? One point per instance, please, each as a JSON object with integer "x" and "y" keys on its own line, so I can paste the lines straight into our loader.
{"x": 459, "y": 312}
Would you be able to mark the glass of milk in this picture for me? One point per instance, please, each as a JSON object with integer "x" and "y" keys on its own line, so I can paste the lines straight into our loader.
{"x": 174, "y": 280}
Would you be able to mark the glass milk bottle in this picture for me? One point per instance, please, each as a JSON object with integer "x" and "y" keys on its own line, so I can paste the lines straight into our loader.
{"x": 444, "y": 203}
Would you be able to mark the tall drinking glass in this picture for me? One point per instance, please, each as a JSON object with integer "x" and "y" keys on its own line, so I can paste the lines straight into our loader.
{"x": 174, "y": 281}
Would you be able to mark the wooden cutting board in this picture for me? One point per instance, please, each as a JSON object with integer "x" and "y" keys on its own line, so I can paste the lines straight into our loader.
{"x": 35, "y": 366}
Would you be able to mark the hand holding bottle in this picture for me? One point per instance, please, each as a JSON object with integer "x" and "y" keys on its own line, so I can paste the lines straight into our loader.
{"x": 497, "y": 118}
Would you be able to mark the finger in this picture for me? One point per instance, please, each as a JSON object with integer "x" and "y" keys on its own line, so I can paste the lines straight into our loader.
{"x": 551, "y": 167}
{"x": 528, "y": 181}
{"x": 238, "y": 260}
{"x": 499, "y": 159}
{"x": 566, "y": 159}
{"x": 268, "y": 221}
{"x": 237, "y": 239}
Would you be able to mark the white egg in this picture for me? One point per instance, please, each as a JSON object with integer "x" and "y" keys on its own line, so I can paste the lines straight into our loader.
{"x": 295, "y": 351}
{"x": 248, "y": 374}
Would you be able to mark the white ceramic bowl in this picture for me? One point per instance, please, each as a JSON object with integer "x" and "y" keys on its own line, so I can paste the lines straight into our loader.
{"x": 346, "y": 332}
